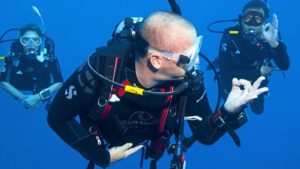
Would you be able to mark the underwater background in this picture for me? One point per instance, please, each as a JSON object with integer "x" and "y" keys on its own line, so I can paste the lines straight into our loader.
{"x": 270, "y": 140}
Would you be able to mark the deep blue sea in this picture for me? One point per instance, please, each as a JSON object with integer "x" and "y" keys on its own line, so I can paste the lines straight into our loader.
{"x": 269, "y": 141}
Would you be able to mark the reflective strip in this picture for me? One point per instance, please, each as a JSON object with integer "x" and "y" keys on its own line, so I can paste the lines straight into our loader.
{"x": 233, "y": 32}
{"x": 134, "y": 90}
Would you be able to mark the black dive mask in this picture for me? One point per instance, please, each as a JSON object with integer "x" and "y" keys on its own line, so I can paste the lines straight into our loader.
{"x": 253, "y": 18}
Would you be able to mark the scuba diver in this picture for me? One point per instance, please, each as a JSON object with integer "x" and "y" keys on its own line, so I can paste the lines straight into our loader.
{"x": 31, "y": 66}
{"x": 249, "y": 50}
{"x": 128, "y": 93}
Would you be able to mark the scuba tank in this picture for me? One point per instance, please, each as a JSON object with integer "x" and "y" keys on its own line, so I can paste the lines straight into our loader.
{"x": 40, "y": 57}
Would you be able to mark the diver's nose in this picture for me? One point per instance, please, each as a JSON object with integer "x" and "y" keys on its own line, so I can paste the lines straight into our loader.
{"x": 30, "y": 43}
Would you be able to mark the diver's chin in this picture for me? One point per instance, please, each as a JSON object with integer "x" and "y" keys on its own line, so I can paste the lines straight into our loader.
{"x": 31, "y": 52}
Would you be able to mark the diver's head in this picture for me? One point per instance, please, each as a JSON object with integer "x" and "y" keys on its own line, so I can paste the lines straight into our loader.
{"x": 31, "y": 38}
{"x": 253, "y": 17}
{"x": 172, "y": 43}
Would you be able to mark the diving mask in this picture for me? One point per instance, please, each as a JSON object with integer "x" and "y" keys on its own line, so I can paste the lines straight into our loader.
{"x": 253, "y": 18}
{"x": 189, "y": 57}
{"x": 29, "y": 40}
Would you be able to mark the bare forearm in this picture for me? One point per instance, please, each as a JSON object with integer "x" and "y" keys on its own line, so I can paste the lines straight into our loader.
{"x": 46, "y": 93}
{"x": 55, "y": 87}
{"x": 12, "y": 90}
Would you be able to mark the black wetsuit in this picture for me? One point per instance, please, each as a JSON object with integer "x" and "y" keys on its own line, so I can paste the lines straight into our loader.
{"x": 132, "y": 118}
{"x": 241, "y": 59}
{"x": 26, "y": 73}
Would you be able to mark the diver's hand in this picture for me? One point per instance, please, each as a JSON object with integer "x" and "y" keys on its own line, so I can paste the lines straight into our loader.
{"x": 265, "y": 70}
{"x": 118, "y": 153}
{"x": 32, "y": 101}
{"x": 270, "y": 32}
{"x": 238, "y": 97}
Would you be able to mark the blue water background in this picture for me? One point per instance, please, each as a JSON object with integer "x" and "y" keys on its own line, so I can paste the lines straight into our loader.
{"x": 271, "y": 140}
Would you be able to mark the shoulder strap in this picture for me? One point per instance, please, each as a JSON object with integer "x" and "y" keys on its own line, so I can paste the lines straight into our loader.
{"x": 110, "y": 70}
{"x": 165, "y": 113}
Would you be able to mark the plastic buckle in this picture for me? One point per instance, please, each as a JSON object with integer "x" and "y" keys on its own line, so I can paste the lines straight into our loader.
{"x": 101, "y": 102}
{"x": 242, "y": 118}
{"x": 220, "y": 122}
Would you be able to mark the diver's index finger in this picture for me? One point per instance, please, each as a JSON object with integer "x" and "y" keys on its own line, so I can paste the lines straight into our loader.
{"x": 125, "y": 147}
{"x": 262, "y": 90}
{"x": 258, "y": 82}
{"x": 275, "y": 21}
{"x": 133, "y": 150}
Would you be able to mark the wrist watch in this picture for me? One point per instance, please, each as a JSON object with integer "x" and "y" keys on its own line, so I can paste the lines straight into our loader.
{"x": 45, "y": 94}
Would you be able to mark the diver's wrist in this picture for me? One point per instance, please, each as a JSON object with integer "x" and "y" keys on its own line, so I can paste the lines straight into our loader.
{"x": 45, "y": 94}
{"x": 222, "y": 117}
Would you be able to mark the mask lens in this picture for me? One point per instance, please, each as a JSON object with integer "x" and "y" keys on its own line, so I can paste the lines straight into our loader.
{"x": 258, "y": 20}
{"x": 247, "y": 18}
{"x": 187, "y": 60}
{"x": 253, "y": 18}
{"x": 25, "y": 40}
{"x": 37, "y": 41}
{"x": 194, "y": 55}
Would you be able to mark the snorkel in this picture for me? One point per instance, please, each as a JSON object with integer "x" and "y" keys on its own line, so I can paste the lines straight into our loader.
{"x": 43, "y": 50}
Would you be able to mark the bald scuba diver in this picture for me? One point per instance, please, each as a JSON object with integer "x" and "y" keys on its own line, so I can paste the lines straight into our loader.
{"x": 117, "y": 116}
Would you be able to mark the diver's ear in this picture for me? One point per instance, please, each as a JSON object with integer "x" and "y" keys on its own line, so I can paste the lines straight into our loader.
{"x": 155, "y": 61}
